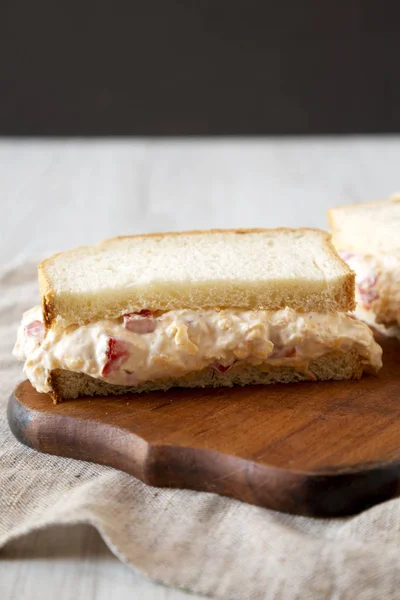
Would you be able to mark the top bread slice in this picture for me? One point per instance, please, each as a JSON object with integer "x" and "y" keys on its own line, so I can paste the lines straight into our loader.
{"x": 243, "y": 268}
{"x": 367, "y": 228}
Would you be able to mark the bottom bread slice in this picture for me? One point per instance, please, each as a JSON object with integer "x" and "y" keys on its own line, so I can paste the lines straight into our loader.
{"x": 335, "y": 365}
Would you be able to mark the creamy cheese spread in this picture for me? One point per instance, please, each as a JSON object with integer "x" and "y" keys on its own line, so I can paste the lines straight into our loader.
{"x": 142, "y": 347}
{"x": 377, "y": 286}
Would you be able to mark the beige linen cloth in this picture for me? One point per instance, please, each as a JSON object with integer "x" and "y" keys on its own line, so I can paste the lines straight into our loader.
{"x": 201, "y": 542}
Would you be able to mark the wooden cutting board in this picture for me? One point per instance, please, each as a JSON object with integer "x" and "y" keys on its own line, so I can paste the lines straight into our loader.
{"x": 321, "y": 449}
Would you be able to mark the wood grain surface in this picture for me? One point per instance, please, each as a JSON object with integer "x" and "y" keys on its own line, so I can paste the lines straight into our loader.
{"x": 319, "y": 449}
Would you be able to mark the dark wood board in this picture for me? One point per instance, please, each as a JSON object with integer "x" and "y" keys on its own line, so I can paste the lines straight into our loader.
{"x": 322, "y": 449}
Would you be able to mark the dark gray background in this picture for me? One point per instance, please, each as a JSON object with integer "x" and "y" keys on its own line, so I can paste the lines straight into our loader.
{"x": 193, "y": 68}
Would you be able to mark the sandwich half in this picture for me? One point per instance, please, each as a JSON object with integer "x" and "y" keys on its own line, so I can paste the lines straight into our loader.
{"x": 203, "y": 308}
{"x": 367, "y": 236}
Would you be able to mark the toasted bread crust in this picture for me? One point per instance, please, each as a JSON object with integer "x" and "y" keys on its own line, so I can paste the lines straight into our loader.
{"x": 47, "y": 296}
{"x": 48, "y": 300}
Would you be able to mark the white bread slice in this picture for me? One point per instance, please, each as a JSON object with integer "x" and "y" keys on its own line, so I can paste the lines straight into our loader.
{"x": 332, "y": 366}
{"x": 248, "y": 269}
{"x": 367, "y": 228}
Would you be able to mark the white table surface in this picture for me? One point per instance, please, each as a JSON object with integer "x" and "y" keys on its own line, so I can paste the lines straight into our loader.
{"x": 62, "y": 193}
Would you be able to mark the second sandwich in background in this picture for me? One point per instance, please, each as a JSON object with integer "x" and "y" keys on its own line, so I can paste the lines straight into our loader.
{"x": 367, "y": 237}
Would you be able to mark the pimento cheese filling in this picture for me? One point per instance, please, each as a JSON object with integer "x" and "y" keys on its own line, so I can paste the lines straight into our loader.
{"x": 142, "y": 346}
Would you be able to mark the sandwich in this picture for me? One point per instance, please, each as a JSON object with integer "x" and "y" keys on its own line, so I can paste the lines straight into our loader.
{"x": 194, "y": 309}
{"x": 367, "y": 236}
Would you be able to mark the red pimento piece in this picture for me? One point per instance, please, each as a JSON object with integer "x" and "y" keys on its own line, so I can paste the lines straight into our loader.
{"x": 221, "y": 368}
{"x": 141, "y": 322}
{"x": 367, "y": 290}
{"x": 117, "y": 353}
{"x": 35, "y": 329}
{"x": 290, "y": 353}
